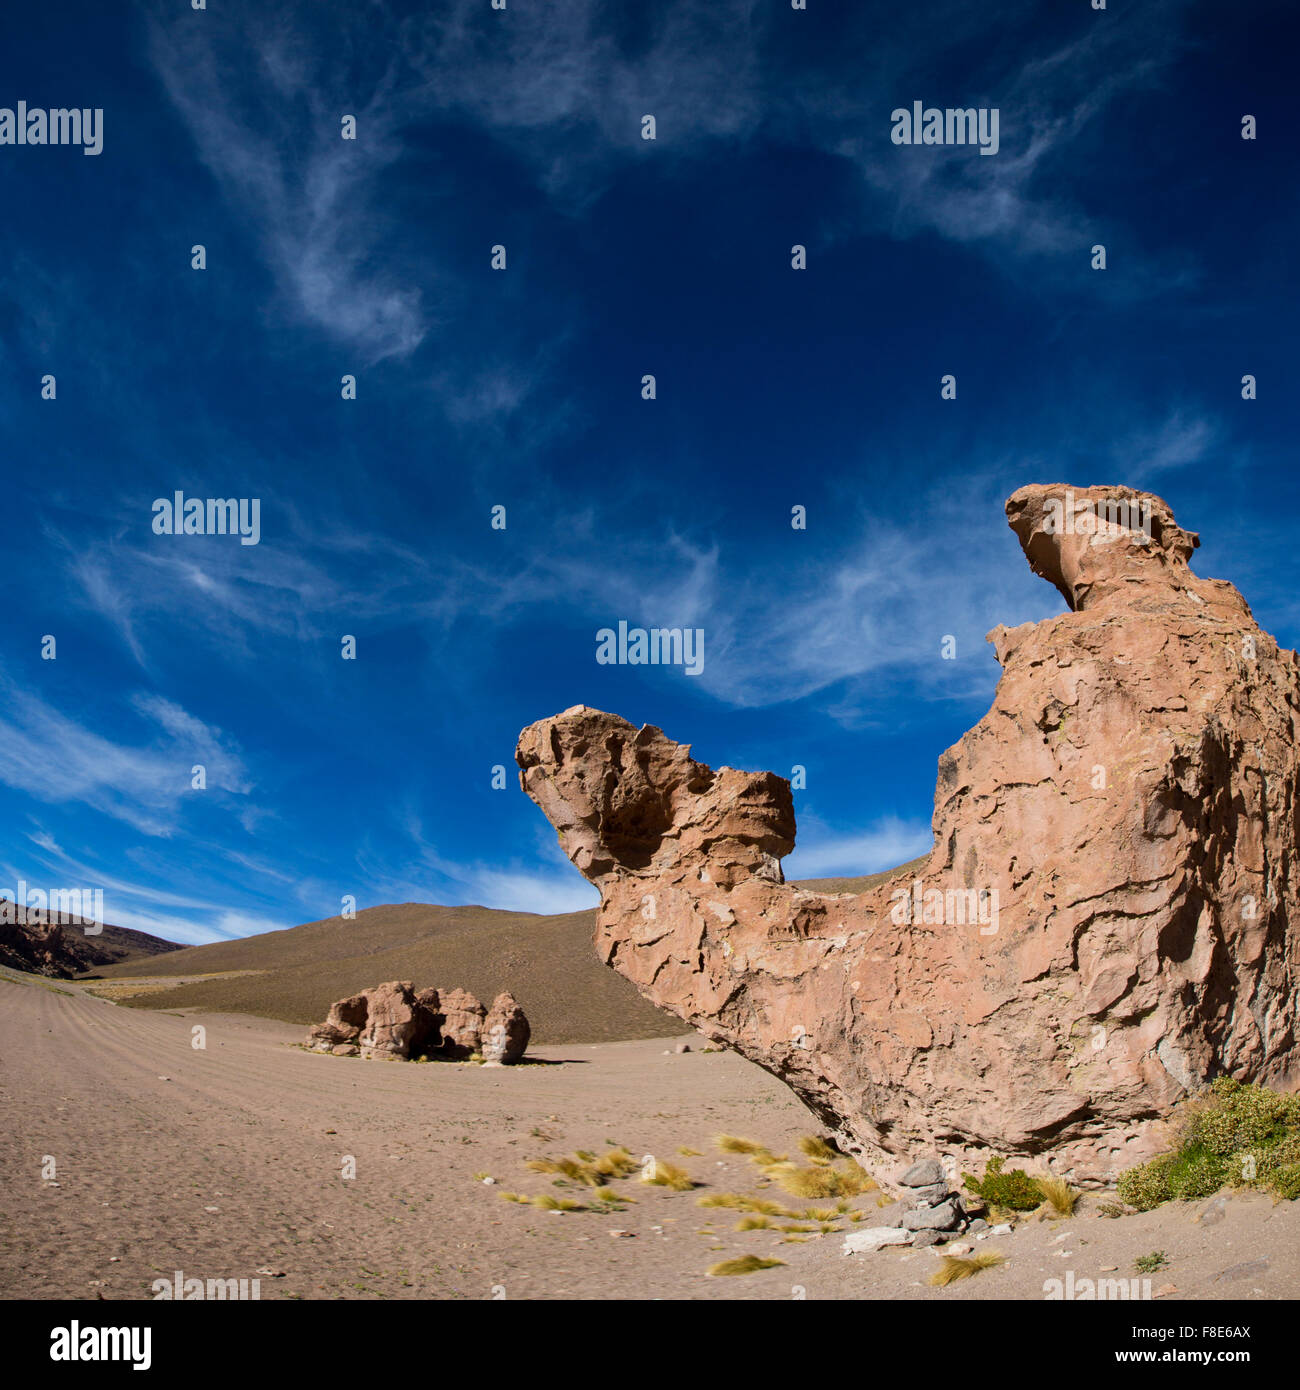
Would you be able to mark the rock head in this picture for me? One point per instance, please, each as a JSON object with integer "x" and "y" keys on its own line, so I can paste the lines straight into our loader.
{"x": 1104, "y": 923}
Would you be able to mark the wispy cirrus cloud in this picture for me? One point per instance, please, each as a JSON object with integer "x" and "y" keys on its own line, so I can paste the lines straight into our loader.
{"x": 55, "y": 758}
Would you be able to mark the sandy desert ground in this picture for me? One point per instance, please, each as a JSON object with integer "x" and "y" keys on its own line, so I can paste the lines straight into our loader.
{"x": 228, "y": 1161}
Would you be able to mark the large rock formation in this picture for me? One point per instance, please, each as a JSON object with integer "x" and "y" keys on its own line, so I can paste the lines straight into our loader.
{"x": 505, "y": 1032}
{"x": 1104, "y": 922}
{"x": 394, "y": 1022}
{"x": 460, "y": 1019}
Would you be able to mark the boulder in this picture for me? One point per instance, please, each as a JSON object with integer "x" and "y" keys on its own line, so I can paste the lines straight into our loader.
{"x": 1104, "y": 923}
{"x": 505, "y": 1032}
{"x": 342, "y": 1026}
{"x": 872, "y": 1238}
{"x": 396, "y": 1025}
{"x": 387, "y": 1022}
{"x": 461, "y": 1019}
{"x": 944, "y": 1217}
{"x": 924, "y": 1173}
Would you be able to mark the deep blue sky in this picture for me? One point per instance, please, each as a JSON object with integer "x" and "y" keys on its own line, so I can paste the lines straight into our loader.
{"x": 522, "y": 388}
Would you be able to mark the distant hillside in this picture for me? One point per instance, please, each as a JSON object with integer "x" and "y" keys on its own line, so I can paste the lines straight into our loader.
{"x": 63, "y": 951}
{"x": 548, "y": 963}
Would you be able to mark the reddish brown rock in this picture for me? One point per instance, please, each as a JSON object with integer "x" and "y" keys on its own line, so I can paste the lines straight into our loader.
{"x": 505, "y": 1032}
{"x": 396, "y": 1025}
{"x": 461, "y": 1018}
{"x": 342, "y": 1026}
{"x": 1103, "y": 925}
{"x": 387, "y": 1022}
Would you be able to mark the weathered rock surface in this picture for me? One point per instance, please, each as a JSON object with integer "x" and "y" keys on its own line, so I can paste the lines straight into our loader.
{"x": 505, "y": 1032}
{"x": 925, "y": 1172}
{"x": 461, "y": 1021}
{"x": 1104, "y": 922}
{"x": 393, "y": 1021}
{"x": 939, "y": 1218}
{"x": 396, "y": 1025}
{"x": 342, "y": 1026}
{"x": 872, "y": 1238}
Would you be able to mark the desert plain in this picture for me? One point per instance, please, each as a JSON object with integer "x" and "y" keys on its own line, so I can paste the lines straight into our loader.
{"x": 227, "y": 1162}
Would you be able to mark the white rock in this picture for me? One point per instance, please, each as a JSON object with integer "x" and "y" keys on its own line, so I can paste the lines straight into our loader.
{"x": 1003, "y": 1230}
{"x": 864, "y": 1242}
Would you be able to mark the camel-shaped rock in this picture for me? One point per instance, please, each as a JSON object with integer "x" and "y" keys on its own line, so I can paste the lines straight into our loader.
{"x": 1104, "y": 923}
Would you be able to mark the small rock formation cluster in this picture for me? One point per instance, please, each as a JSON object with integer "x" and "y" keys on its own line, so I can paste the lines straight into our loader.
{"x": 1110, "y": 916}
{"x": 395, "y": 1022}
{"x": 936, "y": 1213}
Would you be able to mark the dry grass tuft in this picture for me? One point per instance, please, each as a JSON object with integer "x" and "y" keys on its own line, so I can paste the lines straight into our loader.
{"x": 661, "y": 1173}
{"x": 754, "y": 1223}
{"x": 548, "y": 1203}
{"x": 843, "y": 1178}
{"x": 1059, "y": 1195}
{"x": 817, "y": 1149}
{"x": 957, "y": 1267}
{"x": 746, "y": 1264}
{"x": 733, "y": 1201}
{"x": 756, "y": 1153}
{"x": 617, "y": 1163}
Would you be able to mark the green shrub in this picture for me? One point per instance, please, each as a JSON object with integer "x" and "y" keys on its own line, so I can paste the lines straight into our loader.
{"x": 1013, "y": 1191}
{"x": 1248, "y": 1136}
{"x": 1147, "y": 1185}
{"x": 1235, "y": 1117}
{"x": 1195, "y": 1173}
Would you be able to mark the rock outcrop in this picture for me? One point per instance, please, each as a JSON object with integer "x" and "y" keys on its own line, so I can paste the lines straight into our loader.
{"x": 1103, "y": 925}
{"x": 39, "y": 943}
{"x": 505, "y": 1032}
{"x": 394, "y": 1022}
{"x": 461, "y": 1023}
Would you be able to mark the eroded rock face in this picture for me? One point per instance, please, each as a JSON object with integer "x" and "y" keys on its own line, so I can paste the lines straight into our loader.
{"x": 505, "y": 1032}
{"x": 461, "y": 1021}
{"x": 1103, "y": 924}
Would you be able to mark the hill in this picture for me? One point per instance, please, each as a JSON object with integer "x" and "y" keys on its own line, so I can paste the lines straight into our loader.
{"x": 548, "y": 963}
{"x": 65, "y": 950}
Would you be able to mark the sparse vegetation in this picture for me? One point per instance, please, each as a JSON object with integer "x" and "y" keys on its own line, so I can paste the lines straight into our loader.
{"x": 817, "y": 1149}
{"x": 548, "y": 1203}
{"x": 1013, "y": 1191}
{"x": 664, "y": 1174}
{"x": 611, "y": 1199}
{"x": 730, "y": 1144}
{"x": 844, "y": 1178}
{"x": 1246, "y": 1136}
{"x": 1149, "y": 1264}
{"x": 617, "y": 1163}
{"x": 1059, "y": 1195}
{"x": 955, "y": 1267}
{"x": 735, "y": 1202}
{"x": 745, "y": 1264}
